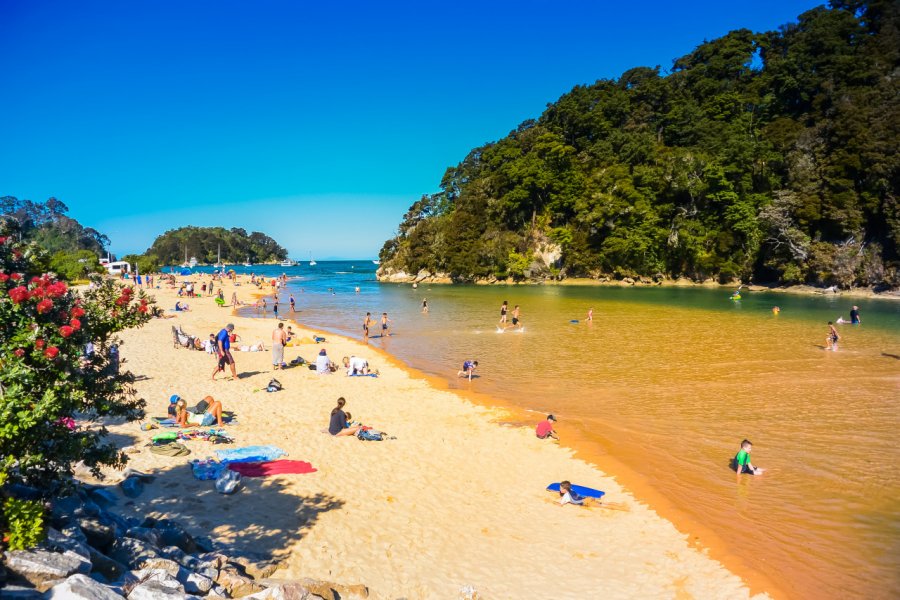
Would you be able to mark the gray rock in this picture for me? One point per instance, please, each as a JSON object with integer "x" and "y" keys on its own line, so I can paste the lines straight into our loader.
{"x": 20, "y": 592}
{"x": 254, "y": 567}
{"x": 236, "y": 584}
{"x": 174, "y": 553}
{"x": 217, "y": 591}
{"x": 132, "y": 553}
{"x": 162, "y": 564}
{"x": 173, "y": 534}
{"x": 88, "y": 509}
{"x": 63, "y": 543}
{"x": 81, "y": 588}
{"x": 109, "y": 568}
{"x": 136, "y": 578}
{"x": 149, "y": 522}
{"x": 41, "y": 567}
{"x": 204, "y": 544}
{"x": 194, "y": 583}
{"x": 132, "y": 487}
{"x": 156, "y": 590}
{"x": 104, "y": 497}
{"x": 99, "y": 534}
{"x": 62, "y": 510}
{"x": 134, "y": 473}
{"x": 151, "y": 536}
{"x": 74, "y": 532}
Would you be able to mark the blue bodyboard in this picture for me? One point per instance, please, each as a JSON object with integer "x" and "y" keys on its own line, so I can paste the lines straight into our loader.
{"x": 578, "y": 489}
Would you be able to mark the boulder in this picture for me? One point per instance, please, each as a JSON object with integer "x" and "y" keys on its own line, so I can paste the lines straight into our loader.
{"x": 236, "y": 584}
{"x": 156, "y": 590}
{"x": 79, "y": 587}
{"x": 20, "y": 592}
{"x": 109, "y": 568}
{"x": 132, "y": 487}
{"x": 195, "y": 583}
{"x": 62, "y": 510}
{"x": 104, "y": 497}
{"x": 173, "y": 534}
{"x": 174, "y": 553}
{"x": 162, "y": 564}
{"x": 255, "y": 568}
{"x": 204, "y": 544}
{"x": 334, "y": 591}
{"x": 139, "y": 577}
{"x": 145, "y": 534}
{"x": 132, "y": 553}
{"x": 42, "y": 568}
{"x": 99, "y": 534}
{"x": 62, "y": 543}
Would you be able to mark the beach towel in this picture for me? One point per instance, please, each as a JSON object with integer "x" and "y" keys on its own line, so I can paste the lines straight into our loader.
{"x": 205, "y": 470}
{"x": 361, "y": 375}
{"x": 275, "y": 467}
{"x": 171, "y": 449}
{"x": 165, "y": 422}
{"x": 250, "y": 454}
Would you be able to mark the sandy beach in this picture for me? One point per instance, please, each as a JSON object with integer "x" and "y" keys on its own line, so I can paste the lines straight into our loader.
{"x": 456, "y": 500}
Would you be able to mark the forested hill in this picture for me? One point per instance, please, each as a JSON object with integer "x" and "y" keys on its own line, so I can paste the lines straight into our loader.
{"x": 771, "y": 156}
{"x": 204, "y": 243}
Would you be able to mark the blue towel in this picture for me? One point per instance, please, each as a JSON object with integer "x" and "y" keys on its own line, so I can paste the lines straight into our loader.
{"x": 250, "y": 454}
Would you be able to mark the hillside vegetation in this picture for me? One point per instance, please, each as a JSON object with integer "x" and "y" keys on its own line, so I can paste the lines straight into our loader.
{"x": 765, "y": 156}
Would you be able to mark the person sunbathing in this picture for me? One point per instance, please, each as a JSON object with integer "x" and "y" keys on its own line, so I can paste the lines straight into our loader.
{"x": 204, "y": 414}
{"x": 181, "y": 306}
{"x": 257, "y": 347}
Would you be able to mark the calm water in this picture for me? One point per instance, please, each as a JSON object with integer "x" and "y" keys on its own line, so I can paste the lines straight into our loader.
{"x": 668, "y": 381}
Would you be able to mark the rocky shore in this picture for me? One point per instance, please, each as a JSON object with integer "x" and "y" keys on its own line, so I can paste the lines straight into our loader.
{"x": 93, "y": 553}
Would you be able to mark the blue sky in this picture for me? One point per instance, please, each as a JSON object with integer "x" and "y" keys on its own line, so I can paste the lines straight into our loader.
{"x": 317, "y": 123}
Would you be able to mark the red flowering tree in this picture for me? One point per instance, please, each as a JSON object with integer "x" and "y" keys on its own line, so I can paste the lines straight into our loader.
{"x": 58, "y": 381}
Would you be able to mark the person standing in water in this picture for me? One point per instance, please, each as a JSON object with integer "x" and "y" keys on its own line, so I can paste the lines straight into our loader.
{"x": 385, "y": 328}
{"x": 367, "y": 322}
{"x": 854, "y": 315}
{"x": 424, "y": 305}
{"x": 831, "y": 340}
{"x": 515, "y": 317}
{"x": 293, "y": 304}
{"x": 504, "y": 308}
{"x": 590, "y": 316}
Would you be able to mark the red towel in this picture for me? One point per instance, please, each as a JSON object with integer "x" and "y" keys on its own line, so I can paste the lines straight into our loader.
{"x": 275, "y": 467}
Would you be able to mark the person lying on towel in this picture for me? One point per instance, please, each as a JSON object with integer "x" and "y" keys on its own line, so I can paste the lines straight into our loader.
{"x": 204, "y": 414}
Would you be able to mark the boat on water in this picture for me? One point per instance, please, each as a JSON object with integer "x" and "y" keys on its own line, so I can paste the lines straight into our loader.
{"x": 376, "y": 262}
{"x": 247, "y": 263}
{"x": 288, "y": 263}
{"x": 312, "y": 261}
{"x": 190, "y": 264}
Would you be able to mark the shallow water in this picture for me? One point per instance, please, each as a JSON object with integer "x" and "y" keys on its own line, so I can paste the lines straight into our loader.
{"x": 668, "y": 382}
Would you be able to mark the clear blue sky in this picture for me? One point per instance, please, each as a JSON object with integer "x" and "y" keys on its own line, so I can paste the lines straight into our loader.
{"x": 318, "y": 123}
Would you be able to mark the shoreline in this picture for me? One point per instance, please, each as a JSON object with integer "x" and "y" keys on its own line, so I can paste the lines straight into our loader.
{"x": 800, "y": 289}
{"x": 407, "y": 399}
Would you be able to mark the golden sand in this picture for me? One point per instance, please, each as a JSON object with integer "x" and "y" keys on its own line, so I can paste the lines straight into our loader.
{"x": 456, "y": 500}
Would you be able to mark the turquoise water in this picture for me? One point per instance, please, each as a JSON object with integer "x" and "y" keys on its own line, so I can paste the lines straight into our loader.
{"x": 668, "y": 381}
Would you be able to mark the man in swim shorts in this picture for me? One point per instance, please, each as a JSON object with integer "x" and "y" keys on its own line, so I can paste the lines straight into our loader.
{"x": 223, "y": 339}
{"x": 854, "y": 315}
{"x": 367, "y": 322}
{"x": 515, "y": 317}
{"x": 384, "y": 325}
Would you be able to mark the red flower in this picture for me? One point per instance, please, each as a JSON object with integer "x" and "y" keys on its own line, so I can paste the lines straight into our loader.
{"x": 66, "y": 331}
{"x": 121, "y": 300}
{"x": 55, "y": 290}
{"x": 3, "y": 277}
{"x": 39, "y": 343}
{"x": 18, "y": 294}
{"x": 44, "y": 306}
{"x": 19, "y": 352}
{"x": 3, "y": 240}
{"x": 35, "y": 279}
{"x": 142, "y": 308}
{"x": 16, "y": 276}
{"x": 37, "y": 293}
{"x": 16, "y": 254}
{"x": 75, "y": 323}
{"x": 77, "y": 312}
{"x": 51, "y": 352}
{"x": 127, "y": 291}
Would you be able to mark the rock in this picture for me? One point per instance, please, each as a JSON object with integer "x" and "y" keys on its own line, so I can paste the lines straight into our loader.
{"x": 148, "y": 522}
{"x": 139, "y": 577}
{"x": 88, "y": 509}
{"x": 62, "y": 510}
{"x": 194, "y": 583}
{"x": 100, "y": 535}
{"x": 217, "y": 559}
{"x": 130, "y": 473}
{"x": 162, "y": 564}
{"x": 257, "y": 569}
{"x": 204, "y": 544}
{"x": 20, "y": 592}
{"x": 132, "y": 487}
{"x": 132, "y": 553}
{"x": 173, "y": 534}
{"x": 41, "y": 567}
{"x": 63, "y": 543}
{"x": 104, "y": 497}
{"x": 156, "y": 590}
{"x": 109, "y": 568}
{"x": 334, "y": 591}
{"x": 236, "y": 584}
{"x": 81, "y": 588}
{"x": 174, "y": 553}
{"x": 74, "y": 532}
{"x": 217, "y": 591}
{"x": 145, "y": 534}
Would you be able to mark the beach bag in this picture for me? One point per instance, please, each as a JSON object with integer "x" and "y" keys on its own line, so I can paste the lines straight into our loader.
{"x": 164, "y": 437}
{"x": 228, "y": 482}
{"x": 370, "y": 435}
{"x": 274, "y": 386}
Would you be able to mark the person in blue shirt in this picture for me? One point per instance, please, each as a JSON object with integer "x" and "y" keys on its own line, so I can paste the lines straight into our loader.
{"x": 223, "y": 342}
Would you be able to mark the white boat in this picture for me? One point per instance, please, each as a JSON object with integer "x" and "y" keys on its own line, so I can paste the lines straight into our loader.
{"x": 248, "y": 263}
{"x": 219, "y": 264}
{"x": 288, "y": 263}
{"x": 376, "y": 262}
{"x": 193, "y": 262}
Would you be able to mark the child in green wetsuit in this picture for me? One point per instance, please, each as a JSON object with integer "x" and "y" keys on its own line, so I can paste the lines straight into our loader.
{"x": 742, "y": 462}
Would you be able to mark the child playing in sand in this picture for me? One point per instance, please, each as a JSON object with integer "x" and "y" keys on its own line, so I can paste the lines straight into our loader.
{"x": 544, "y": 429}
{"x": 568, "y": 495}
{"x": 468, "y": 369}
{"x": 742, "y": 463}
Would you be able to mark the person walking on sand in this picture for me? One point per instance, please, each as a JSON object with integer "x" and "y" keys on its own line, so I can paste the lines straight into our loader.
{"x": 234, "y": 300}
{"x": 367, "y": 322}
{"x": 831, "y": 340}
{"x": 223, "y": 348}
{"x": 279, "y": 341}
{"x": 385, "y": 327}
{"x": 504, "y": 308}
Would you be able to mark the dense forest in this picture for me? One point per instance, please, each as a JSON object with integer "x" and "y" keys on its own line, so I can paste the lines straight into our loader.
{"x": 770, "y": 157}
{"x": 47, "y": 224}
{"x": 204, "y": 243}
